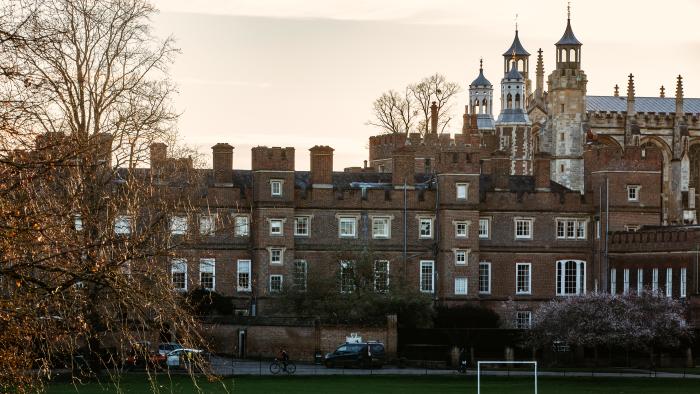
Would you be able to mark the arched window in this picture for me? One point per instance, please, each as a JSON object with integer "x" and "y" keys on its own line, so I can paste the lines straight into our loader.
{"x": 571, "y": 277}
{"x": 509, "y": 101}
{"x": 517, "y": 100}
{"x": 485, "y": 106}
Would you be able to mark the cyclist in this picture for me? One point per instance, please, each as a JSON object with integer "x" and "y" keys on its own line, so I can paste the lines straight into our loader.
{"x": 284, "y": 358}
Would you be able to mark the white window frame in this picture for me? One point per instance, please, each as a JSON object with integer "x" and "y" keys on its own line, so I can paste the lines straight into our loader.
{"x": 669, "y": 282}
{"x": 204, "y": 265}
{"x": 122, "y": 225}
{"x": 530, "y": 226}
{"x": 528, "y": 289}
{"x": 486, "y": 264}
{"x": 178, "y": 225}
{"x": 377, "y": 276}
{"x": 347, "y": 285}
{"x": 461, "y": 223}
{"x": 207, "y": 228}
{"x": 429, "y": 220}
{"x": 276, "y": 187}
{"x": 272, "y": 250}
{"x": 458, "y": 289}
{"x": 306, "y": 226}
{"x": 431, "y": 265}
{"x": 613, "y": 281}
{"x": 178, "y": 266}
{"x": 281, "y": 283}
{"x": 244, "y": 266}
{"x": 295, "y": 277}
{"x": 241, "y": 229}
{"x": 521, "y": 316}
{"x": 655, "y": 280}
{"x": 387, "y": 223}
{"x": 462, "y": 191}
{"x": 459, "y": 253}
{"x": 640, "y": 280}
{"x": 561, "y": 277}
{"x": 487, "y": 234}
{"x": 571, "y": 228}
{"x": 276, "y": 224}
{"x": 633, "y": 189}
{"x": 683, "y": 288}
{"x": 625, "y": 281}
{"x": 347, "y": 220}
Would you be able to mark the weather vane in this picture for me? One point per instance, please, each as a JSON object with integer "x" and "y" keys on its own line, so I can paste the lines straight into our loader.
{"x": 516, "y": 22}
{"x": 568, "y": 10}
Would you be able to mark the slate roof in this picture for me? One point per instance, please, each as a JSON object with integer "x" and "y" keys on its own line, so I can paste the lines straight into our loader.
{"x": 485, "y": 121}
{"x": 568, "y": 38}
{"x": 481, "y": 80}
{"x": 517, "y": 47}
{"x": 514, "y": 73}
{"x": 512, "y": 116}
{"x": 641, "y": 104}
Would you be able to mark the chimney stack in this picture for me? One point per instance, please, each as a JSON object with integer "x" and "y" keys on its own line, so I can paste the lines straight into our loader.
{"x": 404, "y": 162}
{"x": 322, "y": 166}
{"x": 223, "y": 164}
{"x": 433, "y": 118}
{"x": 542, "y": 171}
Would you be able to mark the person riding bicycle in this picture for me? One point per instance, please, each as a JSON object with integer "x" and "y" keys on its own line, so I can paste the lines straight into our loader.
{"x": 283, "y": 357}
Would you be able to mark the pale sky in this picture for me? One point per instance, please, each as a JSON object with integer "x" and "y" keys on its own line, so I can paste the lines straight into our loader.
{"x": 303, "y": 73}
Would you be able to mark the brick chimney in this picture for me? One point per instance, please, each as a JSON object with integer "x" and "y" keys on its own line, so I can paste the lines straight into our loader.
{"x": 501, "y": 170}
{"x": 404, "y": 161}
{"x": 223, "y": 163}
{"x": 322, "y": 166}
{"x": 542, "y": 169}
{"x": 159, "y": 154}
{"x": 433, "y": 118}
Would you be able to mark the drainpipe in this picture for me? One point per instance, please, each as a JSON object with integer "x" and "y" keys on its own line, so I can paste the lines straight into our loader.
{"x": 405, "y": 228}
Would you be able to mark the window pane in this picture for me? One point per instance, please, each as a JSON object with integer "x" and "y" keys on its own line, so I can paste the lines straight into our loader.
{"x": 426, "y": 277}
{"x": 243, "y": 275}
{"x": 381, "y": 276}
{"x": 241, "y": 225}
{"x": 484, "y": 278}
{"x": 300, "y": 268}
{"x": 461, "y": 285}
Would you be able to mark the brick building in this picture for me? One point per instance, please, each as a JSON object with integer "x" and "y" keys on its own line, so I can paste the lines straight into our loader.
{"x": 539, "y": 203}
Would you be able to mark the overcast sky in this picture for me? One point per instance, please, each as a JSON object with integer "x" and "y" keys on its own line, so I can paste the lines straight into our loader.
{"x": 304, "y": 73}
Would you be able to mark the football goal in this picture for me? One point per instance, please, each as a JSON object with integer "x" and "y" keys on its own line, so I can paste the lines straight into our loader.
{"x": 481, "y": 371}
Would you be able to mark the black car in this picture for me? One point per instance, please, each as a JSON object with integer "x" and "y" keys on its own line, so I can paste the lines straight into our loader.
{"x": 361, "y": 355}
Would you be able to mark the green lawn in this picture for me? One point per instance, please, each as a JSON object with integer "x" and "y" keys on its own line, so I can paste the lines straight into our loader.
{"x": 394, "y": 384}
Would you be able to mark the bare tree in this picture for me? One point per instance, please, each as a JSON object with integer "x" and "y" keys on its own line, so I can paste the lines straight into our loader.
{"x": 434, "y": 88}
{"x": 410, "y": 112}
{"x": 86, "y": 234}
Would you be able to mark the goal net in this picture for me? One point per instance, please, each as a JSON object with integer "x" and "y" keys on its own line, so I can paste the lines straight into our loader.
{"x": 506, "y": 377}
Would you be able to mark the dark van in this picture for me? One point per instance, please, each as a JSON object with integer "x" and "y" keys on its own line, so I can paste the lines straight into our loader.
{"x": 360, "y": 355}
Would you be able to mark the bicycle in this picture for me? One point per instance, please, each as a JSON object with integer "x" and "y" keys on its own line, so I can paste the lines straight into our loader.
{"x": 277, "y": 366}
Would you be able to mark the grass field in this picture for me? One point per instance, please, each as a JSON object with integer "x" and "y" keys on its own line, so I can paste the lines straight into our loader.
{"x": 394, "y": 384}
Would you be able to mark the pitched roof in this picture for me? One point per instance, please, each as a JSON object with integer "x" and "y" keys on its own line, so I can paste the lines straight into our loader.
{"x": 641, "y": 104}
{"x": 516, "y": 47}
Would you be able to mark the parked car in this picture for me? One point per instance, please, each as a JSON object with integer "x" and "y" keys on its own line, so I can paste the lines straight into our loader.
{"x": 186, "y": 358}
{"x": 141, "y": 356}
{"x": 165, "y": 348}
{"x": 361, "y": 355}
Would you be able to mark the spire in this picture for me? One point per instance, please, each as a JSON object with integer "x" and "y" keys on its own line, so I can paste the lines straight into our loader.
{"x": 568, "y": 38}
{"x": 679, "y": 95}
{"x": 516, "y": 47}
{"x": 662, "y": 92}
{"x": 630, "y": 95}
{"x": 617, "y": 91}
{"x": 540, "y": 72}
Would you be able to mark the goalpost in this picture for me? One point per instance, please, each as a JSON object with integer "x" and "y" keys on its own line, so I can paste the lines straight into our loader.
{"x": 478, "y": 371}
